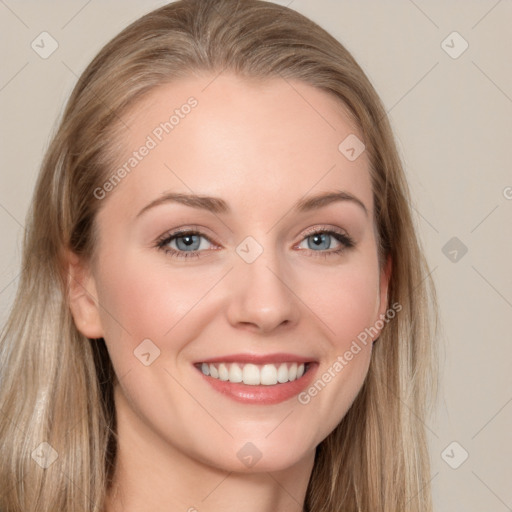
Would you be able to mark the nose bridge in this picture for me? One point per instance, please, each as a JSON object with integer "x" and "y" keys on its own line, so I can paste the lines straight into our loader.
{"x": 261, "y": 295}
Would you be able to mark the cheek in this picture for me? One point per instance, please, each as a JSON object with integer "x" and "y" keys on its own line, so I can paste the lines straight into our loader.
{"x": 147, "y": 301}
{"x": 348, "y": 306}
{"x": 347, "y": 301}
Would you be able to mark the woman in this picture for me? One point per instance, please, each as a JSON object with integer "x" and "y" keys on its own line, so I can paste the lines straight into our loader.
{"x": 223, "y": 300}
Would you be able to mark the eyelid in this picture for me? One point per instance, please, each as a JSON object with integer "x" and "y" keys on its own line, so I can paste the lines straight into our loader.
{"x": 323, "y": 228}
{"x": 346, "y": 240}
{"x": 327, "y": 228}
{"x": 189, "y": 229}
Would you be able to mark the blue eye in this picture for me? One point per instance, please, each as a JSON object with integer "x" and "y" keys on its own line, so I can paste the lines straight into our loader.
{"x": 186, "y": 244}
{"x": 320, "y": 241}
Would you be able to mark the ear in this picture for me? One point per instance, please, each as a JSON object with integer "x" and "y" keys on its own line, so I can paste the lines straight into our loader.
{"x": 385, "y": 276}
{"x": 83, "y": 298}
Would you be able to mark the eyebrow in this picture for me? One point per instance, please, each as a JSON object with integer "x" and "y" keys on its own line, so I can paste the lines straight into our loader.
{"x": 218, "y": 205}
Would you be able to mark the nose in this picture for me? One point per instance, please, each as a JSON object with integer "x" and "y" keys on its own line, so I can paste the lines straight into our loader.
{"x": 263, "y": 297}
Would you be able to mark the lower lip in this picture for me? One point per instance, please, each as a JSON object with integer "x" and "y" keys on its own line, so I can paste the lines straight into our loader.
{"x": 264, "y": 395}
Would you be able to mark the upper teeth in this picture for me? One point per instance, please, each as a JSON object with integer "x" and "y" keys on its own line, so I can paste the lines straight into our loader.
{"x": 253, "y": 374}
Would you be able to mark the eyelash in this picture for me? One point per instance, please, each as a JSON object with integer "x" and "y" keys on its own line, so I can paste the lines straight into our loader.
{"x": 162, "y": 243}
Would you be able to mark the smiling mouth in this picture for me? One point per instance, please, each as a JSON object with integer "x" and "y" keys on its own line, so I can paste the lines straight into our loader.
{"x": 254, "y": 374}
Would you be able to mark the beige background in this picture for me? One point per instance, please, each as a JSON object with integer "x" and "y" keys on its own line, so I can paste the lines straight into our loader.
{"x": 453, "y": 121}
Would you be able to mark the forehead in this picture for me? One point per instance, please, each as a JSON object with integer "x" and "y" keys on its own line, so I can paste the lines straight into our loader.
{"x": 241, "y": 139}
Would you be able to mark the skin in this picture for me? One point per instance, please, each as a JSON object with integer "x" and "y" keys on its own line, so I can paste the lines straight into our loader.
{"x": 260, "y": 146}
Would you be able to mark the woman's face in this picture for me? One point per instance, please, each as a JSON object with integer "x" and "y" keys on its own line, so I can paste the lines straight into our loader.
{"x": 269, "y": 284}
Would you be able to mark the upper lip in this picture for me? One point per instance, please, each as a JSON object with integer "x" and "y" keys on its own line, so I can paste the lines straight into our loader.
{"x": 259, "y": 358}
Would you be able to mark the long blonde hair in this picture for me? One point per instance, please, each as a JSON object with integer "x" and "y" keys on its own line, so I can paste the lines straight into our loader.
{"x": 56, "y": 385}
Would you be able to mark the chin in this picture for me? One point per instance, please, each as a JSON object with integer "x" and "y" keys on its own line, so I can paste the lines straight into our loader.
{"x": 259, "y": 455}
